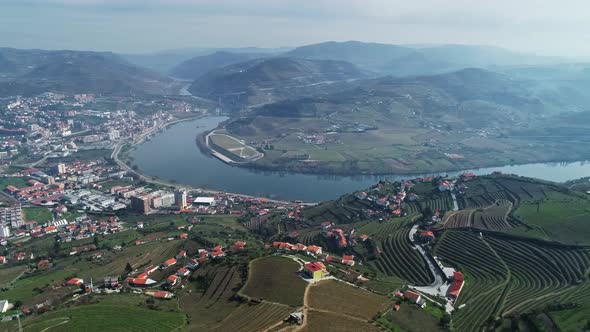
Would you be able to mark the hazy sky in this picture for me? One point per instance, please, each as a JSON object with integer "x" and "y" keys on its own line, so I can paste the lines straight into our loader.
{"x": 541, "y": 26}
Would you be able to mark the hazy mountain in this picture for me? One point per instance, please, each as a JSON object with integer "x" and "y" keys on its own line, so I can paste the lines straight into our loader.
{"x": 367, "y": 55}
{"x": 482, "y": 56}
{"x": 265, "y": 80}
{"x": 197, "y": 66}
{"x": 482, "y": 97}
{"x": 417, "y": 60}
{"x": 34, "y": 71}
{"x": 163, "y": 61}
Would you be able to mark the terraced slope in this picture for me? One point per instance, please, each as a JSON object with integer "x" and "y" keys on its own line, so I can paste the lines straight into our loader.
{"x": 507, "y": 276}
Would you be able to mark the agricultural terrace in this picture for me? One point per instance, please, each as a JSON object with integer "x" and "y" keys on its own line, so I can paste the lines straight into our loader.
{"x": 275, "y": 279}
{"x": 106, "y": 317}
{"x": 254, "y": 317}
{"x": 333, "y": 322}
{"x": 208, "y": 299}
{"x": 234, "y": 146}
{"x": 347, "y": 300}
{"x": 494, "y": 217}
{"x": 410, "y": 317}
{"x": 507, "y": 276}
{"x": 397, "y": 256}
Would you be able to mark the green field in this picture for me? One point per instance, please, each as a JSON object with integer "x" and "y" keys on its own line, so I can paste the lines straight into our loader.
{"x": 18, "y": 182}
{"x": 106, "y": 317}
{"x": 274, "y": 279}
{"x": 412, "y": 318}
{"x": 233, "y": 146}
{"x": 561, "y": 218}
{"x": 40, "y": 215}
{"x": 8, "y": 274}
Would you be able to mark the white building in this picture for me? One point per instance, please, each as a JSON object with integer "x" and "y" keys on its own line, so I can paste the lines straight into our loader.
{"x": 4, "y": 231}
{"x": 4, "y": 305}
{"x": 205, "y": 201}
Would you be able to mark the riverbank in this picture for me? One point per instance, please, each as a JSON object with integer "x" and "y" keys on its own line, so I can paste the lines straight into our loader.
{"x": 174, "y": 156}
{"x": 176, "y": 185}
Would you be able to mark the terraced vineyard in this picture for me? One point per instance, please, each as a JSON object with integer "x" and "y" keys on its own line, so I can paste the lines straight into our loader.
{"x": 309, "y": 238}
{"x": 380, "y": 230}
{"x": 493, "y": 217}
{"x": 254, "y": 317}
{"x": 399, "y": 259}
{"x": 442, "y": 202}
{"x": 224, "y": 282}
{"x": 507, "y": 276}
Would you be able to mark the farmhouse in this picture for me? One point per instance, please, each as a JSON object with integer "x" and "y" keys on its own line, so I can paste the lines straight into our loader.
{"x": 183, "y": 272}
{"x": 169, "y": 263}
{"x": 162, "y": 295}
{"x": 150, "y": 269}
{"x": 181, "y": 254}
{"x": 4, "y": 305}
{"x": 140, "y": 282}
{"x": 456, "y": 286}
{"x": 74, "y": 282}
{"x": 426, "y": 236}
{"x": 173, "y": 280}
{"x": 315, "y": 270}
{"x": 415, "y": 298}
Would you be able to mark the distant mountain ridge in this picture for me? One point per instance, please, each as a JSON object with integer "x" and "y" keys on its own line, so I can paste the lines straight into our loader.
{"x": 198, "y": 66}
{"x": 272, "y": 78}
{"x": 405, "y": 60}
{"x": 29, "y": 72}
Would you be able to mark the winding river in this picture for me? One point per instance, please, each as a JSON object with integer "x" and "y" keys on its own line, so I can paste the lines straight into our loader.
{"x": 172, "y": 154}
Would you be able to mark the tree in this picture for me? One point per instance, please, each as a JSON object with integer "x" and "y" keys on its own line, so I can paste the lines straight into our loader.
{"x": 128, "y": 268}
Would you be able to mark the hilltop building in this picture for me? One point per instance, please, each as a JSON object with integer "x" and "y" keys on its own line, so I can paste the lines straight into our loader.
{"x": 316, "y": 270}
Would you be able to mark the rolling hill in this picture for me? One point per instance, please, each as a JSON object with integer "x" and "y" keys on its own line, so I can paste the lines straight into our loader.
{"x": 266, "y": 80}
{"x": 460, "y": 120}
{"x": 28, "y": 72}
{"x": 196, "y": 67}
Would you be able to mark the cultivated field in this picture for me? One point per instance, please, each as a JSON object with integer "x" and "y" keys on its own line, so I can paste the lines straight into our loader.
{"x": 106, "y": 317}
{"x": 398, "y": 258}
{"x": 275, "y": 279}
{"x": 346, "y": 300}
{"x": 507, "y": 276}
{"x": 254, "y": 317}
{"x": 333, "y": 322}
{"x": 493, "y": 217}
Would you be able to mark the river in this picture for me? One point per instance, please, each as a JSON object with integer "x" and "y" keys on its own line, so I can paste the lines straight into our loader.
{"x": 172, "y": 154}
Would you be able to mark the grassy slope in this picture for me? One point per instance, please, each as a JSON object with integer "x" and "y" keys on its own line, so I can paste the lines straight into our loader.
{"x": 274, "y": 279}
{"x": 563, "y": 218}
{"x": 106, "y": 317}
